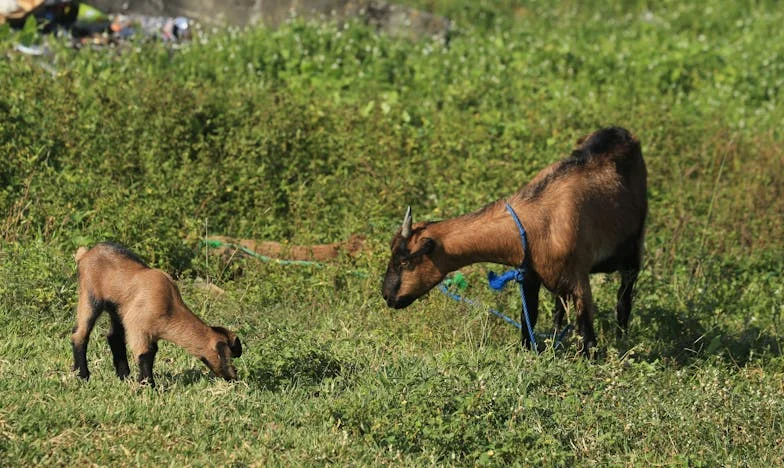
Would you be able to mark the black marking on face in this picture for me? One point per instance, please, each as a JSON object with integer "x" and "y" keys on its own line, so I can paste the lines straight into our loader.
{"x": 401, "y": 302}
{"x": 403, "y": 259}
{"x": 226, "y": 369}
{"x": 233, "y": 341}
{"x": 236, "y": 347}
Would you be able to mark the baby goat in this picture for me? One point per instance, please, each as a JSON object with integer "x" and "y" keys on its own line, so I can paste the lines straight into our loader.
{"x": 144, "y": 305}
{"x": 582, "y": 215}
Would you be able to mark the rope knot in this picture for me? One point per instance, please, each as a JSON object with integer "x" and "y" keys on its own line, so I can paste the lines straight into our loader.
{"x": 498, "y": 282}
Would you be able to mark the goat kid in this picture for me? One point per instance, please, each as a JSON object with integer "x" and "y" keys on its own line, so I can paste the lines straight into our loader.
{"x": 584, "y": 214}
{"x": 144, "y": 305}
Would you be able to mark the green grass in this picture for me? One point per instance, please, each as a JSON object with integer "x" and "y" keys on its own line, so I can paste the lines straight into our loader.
{"x": 313, "y": 132}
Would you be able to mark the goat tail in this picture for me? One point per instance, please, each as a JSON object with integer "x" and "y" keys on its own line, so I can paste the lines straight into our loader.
{"x": 80, "y": 253}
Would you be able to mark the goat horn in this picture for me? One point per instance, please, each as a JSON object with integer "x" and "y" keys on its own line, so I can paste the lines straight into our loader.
{"x": 405, "y": 231}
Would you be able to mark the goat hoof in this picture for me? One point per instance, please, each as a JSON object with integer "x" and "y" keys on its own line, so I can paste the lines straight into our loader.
{"x": 589, "y": 351}
{"x": 147, "y": 382}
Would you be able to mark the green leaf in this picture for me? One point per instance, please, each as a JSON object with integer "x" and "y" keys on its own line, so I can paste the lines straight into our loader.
{"x": 367, "y": 109}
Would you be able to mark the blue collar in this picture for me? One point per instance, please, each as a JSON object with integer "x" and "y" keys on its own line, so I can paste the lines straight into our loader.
{"x": 498, "y": 282}
{"x": 518, "y": 274}
{"x": 523, "y": 238}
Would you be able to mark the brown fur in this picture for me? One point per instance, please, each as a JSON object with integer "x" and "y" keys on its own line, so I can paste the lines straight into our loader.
{"x": 318, "y": 252}
{"x": 144, "y": 306}
{"x": 582, "y": 215}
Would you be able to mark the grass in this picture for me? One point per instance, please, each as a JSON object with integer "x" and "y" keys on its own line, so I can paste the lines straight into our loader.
{"x": 315, "y": 131}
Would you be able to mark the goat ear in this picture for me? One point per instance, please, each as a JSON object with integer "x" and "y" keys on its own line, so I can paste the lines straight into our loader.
{"x": 405, "y": 230}
{"x": 235, "y": 346}
{"x": 429, "y": 246}
{"x": 234, "y": 343}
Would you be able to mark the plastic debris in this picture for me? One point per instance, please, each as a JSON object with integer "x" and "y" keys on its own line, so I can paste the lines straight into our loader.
{"x": 457, "y": 280}
{"x": 14, "y": 10}
{"x": 30, "y": 50}
{"x": 88, "y": 25}
{"x": 89, "y": 21}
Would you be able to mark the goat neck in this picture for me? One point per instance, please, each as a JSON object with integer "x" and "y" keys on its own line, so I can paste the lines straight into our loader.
{"x": 488, "y": 235}
{"x": 189, "y": 331}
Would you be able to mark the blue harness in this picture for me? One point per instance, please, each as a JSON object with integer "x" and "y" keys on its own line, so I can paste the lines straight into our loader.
{"x": 497, "y": 283}
{"x": 518, "y": 274}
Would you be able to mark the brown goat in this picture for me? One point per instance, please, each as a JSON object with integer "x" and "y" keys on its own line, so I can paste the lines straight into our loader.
{"x": 144, "y": 305}
{"x": 582, "y": 215}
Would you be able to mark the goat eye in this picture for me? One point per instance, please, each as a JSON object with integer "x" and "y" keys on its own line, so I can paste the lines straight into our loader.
{"x": 407, "y": 263}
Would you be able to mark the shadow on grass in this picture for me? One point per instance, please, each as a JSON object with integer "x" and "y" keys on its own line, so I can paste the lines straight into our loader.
{"x": 189, "y": 377}
{"x": 307, "y": 369}
{"x": 168, "y": 380}
{"x": 685, "y": 340}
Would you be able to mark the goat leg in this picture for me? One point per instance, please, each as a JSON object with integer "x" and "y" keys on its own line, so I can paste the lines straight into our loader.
{"x": 624, "y": 306}
{"x": 116, "y": 339}
{"x": 145, "y": 351}
{"x": 559, "y": 312}
{"x": 86, "y": 315}
{"x": 584, "y": 312}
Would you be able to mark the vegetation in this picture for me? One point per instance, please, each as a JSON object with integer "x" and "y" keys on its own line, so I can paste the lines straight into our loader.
{"x": 312, "y": 132}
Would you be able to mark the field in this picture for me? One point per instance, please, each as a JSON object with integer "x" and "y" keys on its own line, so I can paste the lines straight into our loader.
{"x": 316, "y": 131}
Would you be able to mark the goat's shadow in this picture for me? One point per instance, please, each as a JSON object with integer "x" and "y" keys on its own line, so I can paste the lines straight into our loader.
{"x": 306, "y": 369}
{"x": 685, "y": 339}
{"x": 660, "y": 334}
{"x": 185, "y": 378}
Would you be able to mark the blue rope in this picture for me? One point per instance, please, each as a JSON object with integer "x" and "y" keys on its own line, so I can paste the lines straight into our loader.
{"x": 558, "y": 339}
{"x": 498, "y": 282}
{"x": 459, "y": 298}
{"x": 562, "y": 335}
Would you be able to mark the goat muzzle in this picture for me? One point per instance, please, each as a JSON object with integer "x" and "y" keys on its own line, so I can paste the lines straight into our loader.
{"x": 399, "y": 302}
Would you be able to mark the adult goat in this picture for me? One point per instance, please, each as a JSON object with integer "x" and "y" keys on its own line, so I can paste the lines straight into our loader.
{"x": 585, "y": 214}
